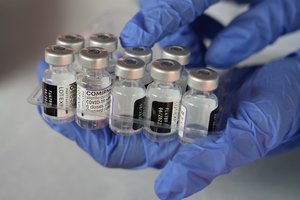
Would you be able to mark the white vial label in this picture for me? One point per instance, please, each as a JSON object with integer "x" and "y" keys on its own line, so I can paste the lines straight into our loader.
{"x": 162, "y": 114}
{"x": 93, "y": 101}
{"x": 59, "y": 99}
{"x": 182, "y": 120}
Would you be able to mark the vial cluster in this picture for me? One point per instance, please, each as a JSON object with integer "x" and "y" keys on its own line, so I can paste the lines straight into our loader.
{"x": 132, "y": 94}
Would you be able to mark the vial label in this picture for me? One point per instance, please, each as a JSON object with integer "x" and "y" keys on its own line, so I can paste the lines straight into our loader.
{"x": 59, "y": 96}
{"x": 93, "y": 101}
{"x": 182, "y": 120}
{"x": 164, "y": 113}
{"x": 138, "y": 112}
{"x": 212, "y": 125}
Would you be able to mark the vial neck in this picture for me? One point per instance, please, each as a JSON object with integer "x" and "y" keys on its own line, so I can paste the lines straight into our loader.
{"x": 164, "y": 84}
{"x": 93, "y": 72}
{"x": 59, "y": 68}
{"x": 128, "y": 82}
{"x": 199, "y": 92}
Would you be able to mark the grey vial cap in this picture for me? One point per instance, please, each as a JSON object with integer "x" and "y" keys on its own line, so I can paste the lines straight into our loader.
{"x": 204, "y": 79}
{"x": 177, "y": 53}
{"x": 165, "y": 70}
{"x": 107, "y": 41}
{"x": 59, "y": 55}
{"x": 75, "y": 41}
{"x": 143, "y": 53}
{"x": 93, "y": 57}
{"x": 130, "y": 68}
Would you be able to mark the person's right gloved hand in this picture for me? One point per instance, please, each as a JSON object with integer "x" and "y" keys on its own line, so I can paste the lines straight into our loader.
{"x": 182, "y": 23}
{"x": 263, "y": 118}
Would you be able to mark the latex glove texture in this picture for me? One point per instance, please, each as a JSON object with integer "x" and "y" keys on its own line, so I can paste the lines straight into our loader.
{"x": 263, "y": 117}
{"x": 175, "y": 22}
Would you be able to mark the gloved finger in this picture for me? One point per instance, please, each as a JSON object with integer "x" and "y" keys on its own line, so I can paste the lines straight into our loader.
{"x": 185, "y": 37}
{"x": 206, "y": 27}
{"x": 106, "y": 148}
{"x": 165, "y": 17}
{"x": 192, "y": 37}
{"x": 250, "y": 32}
{"x": 266, "y": 116}
{"x": 42, "y": 66}
{"x": 145, "y": 4}
{"x": 242, "y": 1}
{"x": 117, "y": 151}
{"x": 287, "y": 146}
{"x": 102, "y": 145}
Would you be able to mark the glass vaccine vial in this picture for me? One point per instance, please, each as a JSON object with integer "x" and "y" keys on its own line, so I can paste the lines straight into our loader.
{"x": 199, "y": 105}
{"x": 181, "y": 55}
{"x": 145, "y": 54}
{"x": 59, "y": 86}
{"x": 163, "y": 101}
{"x": 93, "y": 89}
{"x": 76, "y": 42}
{"x": 128, "y": 97}
{"x": 109, "y": 42}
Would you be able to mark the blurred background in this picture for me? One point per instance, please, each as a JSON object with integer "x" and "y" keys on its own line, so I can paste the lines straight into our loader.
{"x": 37, "y": 163}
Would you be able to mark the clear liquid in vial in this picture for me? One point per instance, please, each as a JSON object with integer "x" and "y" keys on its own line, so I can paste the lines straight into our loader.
{"x": 125, "y": 102}
{"x": 93, "y": 107}
{"x": 195, "y": 116}
{"x": 66, "y": 113}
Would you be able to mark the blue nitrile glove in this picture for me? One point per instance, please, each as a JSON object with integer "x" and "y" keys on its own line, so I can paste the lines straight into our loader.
{"x": 261, "y": 116}
{"x": 116, "y": 151}
{"x": 264, "y": 117}
{"x": 260, "y": 25}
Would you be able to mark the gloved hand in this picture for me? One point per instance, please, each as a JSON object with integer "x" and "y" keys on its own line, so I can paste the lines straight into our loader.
{"x": 181, "y": 22}
{"x": 264, "y": 118}
{"x": 261, "y": 117}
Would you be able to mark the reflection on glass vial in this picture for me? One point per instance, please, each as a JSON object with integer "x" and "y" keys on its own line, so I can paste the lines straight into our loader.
{"x": 128, "y": 97}
{"x": 59, "y": 86}
{"x": 76, "y": 42}
{"x": 109, "y": 42}
{"x": 145, "y": 54}
{"x": 199, "y": 105}
{"x": 182, "y": 56}
{"x": 163, "y": 101}
{"x": 93, "y": 89}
